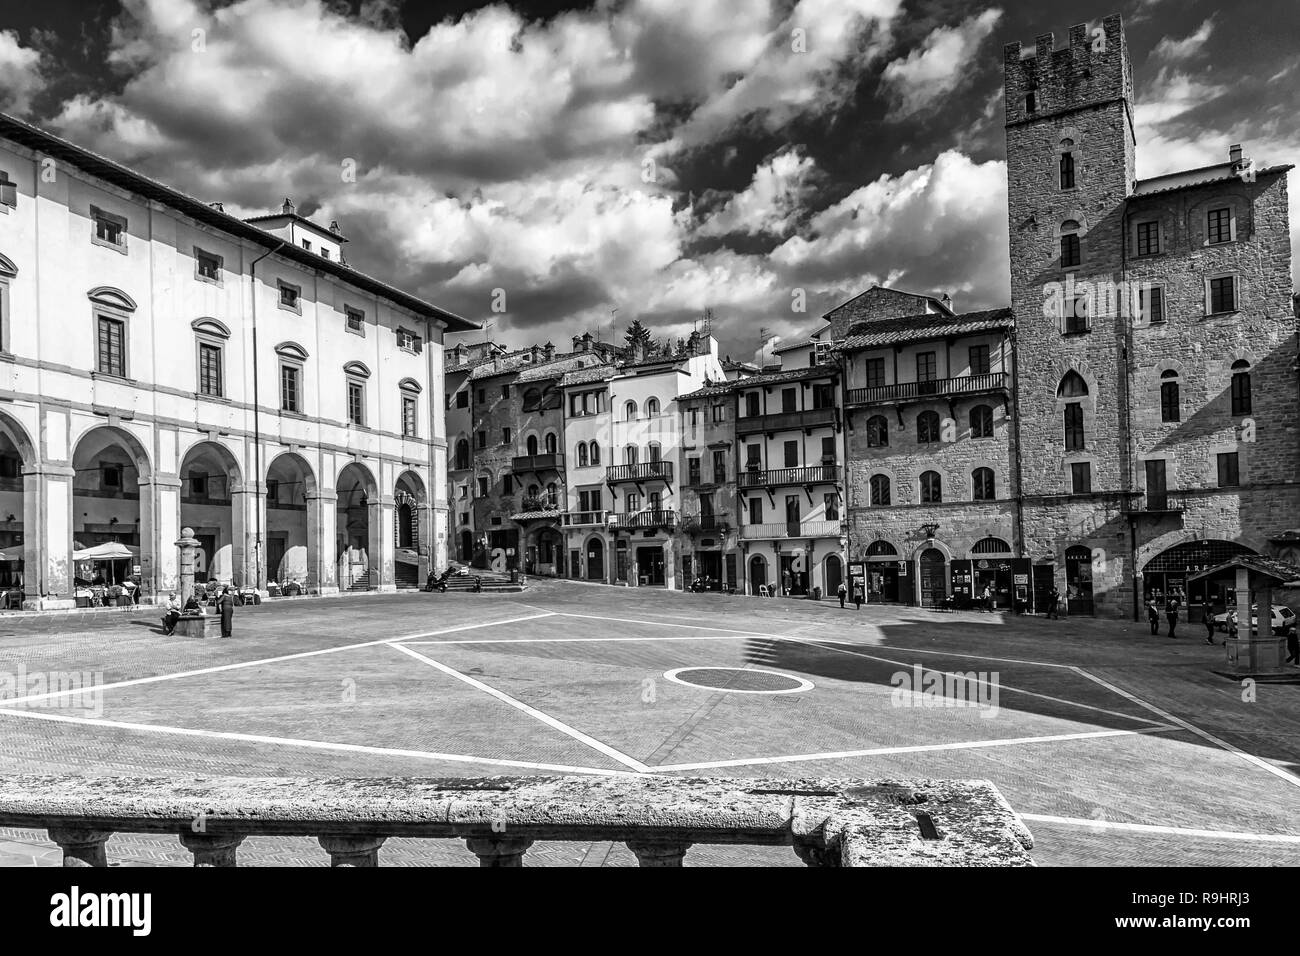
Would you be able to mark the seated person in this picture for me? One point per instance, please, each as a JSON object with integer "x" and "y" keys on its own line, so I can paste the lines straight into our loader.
{"x": 192, "y": 606}
{"x": 172, "y": 615}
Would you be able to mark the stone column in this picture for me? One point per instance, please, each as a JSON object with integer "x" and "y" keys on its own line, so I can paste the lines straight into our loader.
{"x": 186, "y": 546}
{"x": 245, "y": 500}
{"x": 322, "y": 522}
{"x": 160, "y": 518}
{"x": 383, "y": 543}
{"x": 47, "y": 537}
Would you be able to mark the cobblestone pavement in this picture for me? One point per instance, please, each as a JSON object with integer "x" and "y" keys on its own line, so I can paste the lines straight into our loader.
{"x": 1119, "y": 747}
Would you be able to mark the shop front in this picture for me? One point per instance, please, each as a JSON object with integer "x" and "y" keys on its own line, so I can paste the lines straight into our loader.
{"x": 1175, "y": 570}
{"x": 886, "y": 575}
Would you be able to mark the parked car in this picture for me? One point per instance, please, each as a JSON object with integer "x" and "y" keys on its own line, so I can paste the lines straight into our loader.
{"x": 1283, "y": 619}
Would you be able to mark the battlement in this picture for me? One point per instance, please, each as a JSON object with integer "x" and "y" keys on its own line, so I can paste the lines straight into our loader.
{"x": 1092, "y": 68}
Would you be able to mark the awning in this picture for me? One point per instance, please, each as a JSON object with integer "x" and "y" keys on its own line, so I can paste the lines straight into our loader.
{"x": 113, "y": 551}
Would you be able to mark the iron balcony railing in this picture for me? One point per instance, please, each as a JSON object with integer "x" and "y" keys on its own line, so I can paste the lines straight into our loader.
{"x": 521, "y": 463}
{"x": 581, "y": 519}
{"x": 706, "y": 523}
{"x": 935, "y": 388}
{"x": 828, "y": 472}
{"x": 792, "y": 529}
{"x": 784, "y": 421}
{"x": 647, "y": 518}
{"x": 1157, "y": 503}
{"x": 645, "y": 471}
{"x": 826, "y": 822}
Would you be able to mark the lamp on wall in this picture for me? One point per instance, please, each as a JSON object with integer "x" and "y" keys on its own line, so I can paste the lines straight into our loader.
{"x": 112, "y": 520}
{"x": 930, "y": 530}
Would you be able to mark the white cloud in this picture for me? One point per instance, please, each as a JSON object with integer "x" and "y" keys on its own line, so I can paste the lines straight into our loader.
{"x": 22, "y": 72}
{"x": 925, "y": 76}
{"x": 1170, "y": 49}
{"x": 771, "y": 203}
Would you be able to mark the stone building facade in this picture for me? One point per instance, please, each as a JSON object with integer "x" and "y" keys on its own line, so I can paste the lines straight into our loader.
{"x": 710, "y": 533}
{"x": 168, "y": 365}
{"x": 1155, "y": 340}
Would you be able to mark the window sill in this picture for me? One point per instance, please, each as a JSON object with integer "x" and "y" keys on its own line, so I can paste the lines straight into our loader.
{"x": 286, "y": 413}
{"x": 295, "y": 309}
{"x": 119, "y": 248}
{"x": 1222, "y": 315}
{"x": 351, "y": 331}
{"x": 219, "y": 399}
{"x": 113, "y": 377}
{"x": 209, "y": 280}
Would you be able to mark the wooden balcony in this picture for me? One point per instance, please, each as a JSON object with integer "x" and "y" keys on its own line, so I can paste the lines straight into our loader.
{"x": 826, "y": 822}
{"x": 828, "y": 473}
{"x": 645, "y": 471}
{"x": 646, "y": 518}
{"x": 935, "y": 388}
{"x": 536, "y": 463}
{"x": 583, "y": 519}
{"x": 787, "y": 421}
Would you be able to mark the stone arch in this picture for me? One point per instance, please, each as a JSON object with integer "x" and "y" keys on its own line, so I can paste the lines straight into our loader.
{"x": 22, "y": 524}
{"x": 290, "y": 529}
{"x": 412, "y": 526}
{"x": 111, "y": 298}
{"x": 358, "y": 527}
{"x": 211, "y": 326}
{"x": 7, "y": 268}
{"x": 214, "y": 510}
{"x": 109, "y": 504}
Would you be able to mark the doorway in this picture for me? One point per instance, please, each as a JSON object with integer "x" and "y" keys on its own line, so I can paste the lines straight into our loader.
{"x": 834, "y": 575}
{"x": 650, "y": 566}
{"x": 933, "y": 585}
{"x": 1078, "y": 580}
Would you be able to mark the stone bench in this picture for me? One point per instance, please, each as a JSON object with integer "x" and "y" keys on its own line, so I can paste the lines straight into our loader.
{"x": 201, "y": 626}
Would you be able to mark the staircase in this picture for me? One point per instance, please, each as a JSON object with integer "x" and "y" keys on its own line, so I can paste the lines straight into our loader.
{"x": 493, "y": 581}
{"x": 406, "y": 576}
{"x": 361, "y": 583}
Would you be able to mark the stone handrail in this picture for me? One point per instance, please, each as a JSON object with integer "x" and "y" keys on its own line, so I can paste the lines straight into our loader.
{"x": 826, "y": 822}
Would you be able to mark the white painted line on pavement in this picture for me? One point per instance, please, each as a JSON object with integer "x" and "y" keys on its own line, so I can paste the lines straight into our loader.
{"x": 1163, "y": 830}
{"x": 547, "y": 719}
{"x": 919, "y": 748}
{"x": 1204, "y": 735}
{"x": 265, "y": 660}
{"x": 577, "y": 640}
{"x": 307, "y": 744}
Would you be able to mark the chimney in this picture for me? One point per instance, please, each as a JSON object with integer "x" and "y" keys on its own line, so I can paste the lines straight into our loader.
{"x": 577, "y": 344}
{"x": 219, "y": 207}
{"x": 334, "y": 227}
{"x": 638, "y": 351}
{"x": 947, "y": 300}
{"x": 548, "y": 351}
{"x": 1234, "y": 155}
{"x": 288, "y": 207}
{"x": 533, "y": 351}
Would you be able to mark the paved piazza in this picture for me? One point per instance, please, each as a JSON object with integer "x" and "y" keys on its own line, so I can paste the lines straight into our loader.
{"x": 1117, "y": 747}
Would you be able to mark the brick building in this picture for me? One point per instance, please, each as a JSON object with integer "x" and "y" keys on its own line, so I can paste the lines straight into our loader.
{"x": 1155, "y": 340}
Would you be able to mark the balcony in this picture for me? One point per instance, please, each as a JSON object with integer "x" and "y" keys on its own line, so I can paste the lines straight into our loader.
{"x": 935, "y": 388}
{"x": 706, "y": 524}
{"x": 792, "y": 529}
{"x": 830, "y": 823}
{"x": 583, "y": 519}
{"x": 646, "y": 518}
{"x": 533, "y": 507}
{"x": 536, "y": 463}
{"x": 786, "y": 421}
{"x": 828, "y": 473}
{"x": 645, "y": 471}
{"x": 1156, "y": 504}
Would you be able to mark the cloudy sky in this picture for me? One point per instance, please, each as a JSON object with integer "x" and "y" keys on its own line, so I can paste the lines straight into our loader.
{"x": 654, "y": 157}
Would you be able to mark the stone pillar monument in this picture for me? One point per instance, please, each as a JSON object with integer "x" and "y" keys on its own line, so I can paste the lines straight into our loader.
{"x": 187, "y": 545}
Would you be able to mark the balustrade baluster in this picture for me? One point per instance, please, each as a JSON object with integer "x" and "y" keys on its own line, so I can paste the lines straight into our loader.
{"x": 81, "y": 847}
{"x": 352, "y": 850}
{"x": 212, "y": 849}
{"x": 658, "y": 854}
{"x": 494, "y": 851}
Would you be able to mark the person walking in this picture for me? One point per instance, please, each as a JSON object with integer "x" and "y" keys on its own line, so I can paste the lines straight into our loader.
{"x": 857, "y": 596}
{"x": 1153, "y": 615}
{"x": 226, "y": 604}
{"x": 1171, "y": 613}
{"x": 1054, "y": 604}
{"x": 1292, "y": 645}
{"x": 171, "y": 614}
{"x": 843, "y": 592}
{"x": 1209, "y": 623}
{"x": 1233, "y": 623}
{"x": 987, "y": 598}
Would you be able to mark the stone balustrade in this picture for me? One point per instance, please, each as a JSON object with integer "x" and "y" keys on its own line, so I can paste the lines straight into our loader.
{"x": 826, "y": 822}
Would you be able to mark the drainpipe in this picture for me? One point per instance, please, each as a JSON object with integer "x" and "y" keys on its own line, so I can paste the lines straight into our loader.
{"x": 257, "y": 425}
{"x": 1129, "y": 476}
{"x": 1015, "y": 437}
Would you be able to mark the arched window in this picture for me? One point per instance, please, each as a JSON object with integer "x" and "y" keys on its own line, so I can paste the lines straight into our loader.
{"x": 552, "y": 495}
{"x": 981, "y": 422}
{"x": 931, "y": 487}
{"x": 651, "y": 407}
{"x": 462, "y": 453}
{"x": 595, "y": 453}
{"x": 982, "y": 484}
{"x": 1072, "y": 385}
{"x": 1071, "y": 249}
{"x": 991, "y": 546}
{"x": 656, "y": 452}
{"x": 1067, "y": 170}
{"x": 1241, "y": 403}
{"x": 879, "y": 489}
{"x": 582, "y": 455}
{"x": 532, "y": 444}
{"x": 551, "y": 446}
{"x": 1170, "y": 406}
{"x": 927, "y": 427}
{"x": 630, "y": 455}
{"x": 877, "y": 431}
{"x": 629, "y": 411}
{"x": 532, "y": 491}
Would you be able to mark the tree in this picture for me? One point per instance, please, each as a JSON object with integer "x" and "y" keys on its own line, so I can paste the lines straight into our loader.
{"x": 637, "y": 334}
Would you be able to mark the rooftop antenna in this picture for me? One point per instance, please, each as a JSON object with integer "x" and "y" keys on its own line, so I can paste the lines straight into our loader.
{"x": 486, "y": 326}
{"x": 612, "y": 313}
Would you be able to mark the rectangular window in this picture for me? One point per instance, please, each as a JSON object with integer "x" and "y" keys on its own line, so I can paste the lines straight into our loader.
{"x": 1148, "y": 238}
{"x": 289, "y": 297}
{"x": 979, "y": 359}
{"x": 480, "y": 439}
{"x": 789, "y": 399}
{"x": 1081, "y": 477}
{"x": 306, "y": 245}
{"x": 1170, "y": 410}
{"x": 719, "y": 466}
{"x": 1240, "y": 391}
{"x": 751, "y": 404}
{"x": 409, "y": 420}
{"x": 198, "y": 485}
{"x": 1076, "y": 315}
{"x": 823, "y": 395}
{"x": 481, "y": 397}
{"x": 692, "y": 471}
{"x": 755, "y": 510}
{"x": 832, "y": 504}
{"x": 633, "y": 501}
{"x": 356, "y": 403}
{"x": 356, "y": 319}
{"x": 110, "y": 230}
{"x": 406, "y": 340}
{"x": 753, "y": 457}
{"x": 1151, "y": 304}
{"x": 508, "y": 484}
{"x": 1229, "y": 475}
{"x": 210, "y": 369}
{"x": 875, "y": 372}
{"x": 112, "y": 346}
{"x": 719, "y": 413}
{"x": 1157, "y": 489}
{"x": 792, "y": 454}
{"x": 110, "y": 476}
{"x": 1074, "y": 438}
{"x": 289, "y": 388}
{"x": 8, "y": 190}
{"x": 505, "y": 436}
{"x": 1223, "y": 295}
{"x": 482, "y": 487}
{"x": 926, "y": 367}
{"x": 325, "y": 253}
{"x": 272, "y": 490}
{"x": 1070, "y": 252}
{"x": 828, "y": 449}
{"x": 462, "y": 399}
{"x": 1067, "y": 170}
{"x": 505, "y": 392}
{"x": 1218, "y": 225}
{"x": 207, "y": 266}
